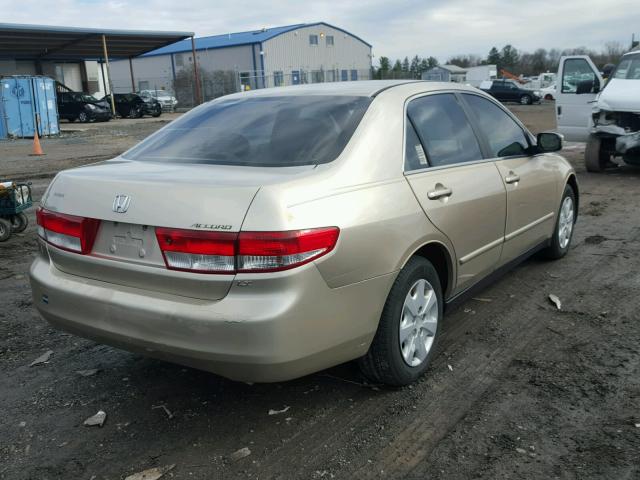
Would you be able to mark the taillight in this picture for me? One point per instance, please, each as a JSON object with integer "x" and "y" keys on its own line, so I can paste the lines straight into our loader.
{"x": 197, "y": 251}
{"x": 229, "y": 253}
{"x": 273, "y": 251}
{"x": 68, "y": 232}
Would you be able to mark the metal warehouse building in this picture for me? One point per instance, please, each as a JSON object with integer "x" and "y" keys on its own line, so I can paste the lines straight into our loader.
{"x": 270, "y": 57}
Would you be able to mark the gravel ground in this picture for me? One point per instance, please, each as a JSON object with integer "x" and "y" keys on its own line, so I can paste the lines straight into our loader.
{"x": 519, "y": 389}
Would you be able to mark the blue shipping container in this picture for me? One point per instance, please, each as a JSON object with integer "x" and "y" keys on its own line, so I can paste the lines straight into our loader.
{"x": 22, "y": 100}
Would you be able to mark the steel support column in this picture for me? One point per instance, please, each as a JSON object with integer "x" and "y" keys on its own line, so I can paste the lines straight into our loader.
{"x": 106, "y": 61}
{"x": 196, "y": 75}
{"x": 133, "y": 81}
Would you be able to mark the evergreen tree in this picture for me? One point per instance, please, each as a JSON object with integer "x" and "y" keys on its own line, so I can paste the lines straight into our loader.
{"x": 494, "y": 58}
{"x": 405, "y": 64}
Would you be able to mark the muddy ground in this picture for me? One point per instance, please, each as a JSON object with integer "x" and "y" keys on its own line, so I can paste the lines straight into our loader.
{"x": 519, "y": 389}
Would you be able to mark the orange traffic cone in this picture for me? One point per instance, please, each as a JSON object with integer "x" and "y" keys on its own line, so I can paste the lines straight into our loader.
{"x": 37, "y": 149}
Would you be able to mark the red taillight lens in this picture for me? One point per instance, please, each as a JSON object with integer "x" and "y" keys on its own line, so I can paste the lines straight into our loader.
{"x": 67, "y": 232}
{"x": 274, "y": 251}
{"x": 228, "y": 253}
{"x": 197, "y": 251}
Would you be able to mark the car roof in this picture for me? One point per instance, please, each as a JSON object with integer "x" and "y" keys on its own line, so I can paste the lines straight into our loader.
{"x": 361, "y": 88}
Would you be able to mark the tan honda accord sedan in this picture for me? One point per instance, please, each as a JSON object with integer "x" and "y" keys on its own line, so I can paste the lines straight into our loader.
{"x": 270, "y": 234}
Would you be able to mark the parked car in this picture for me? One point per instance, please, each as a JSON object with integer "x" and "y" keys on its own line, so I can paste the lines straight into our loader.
{"x": 510, "y": 91}
{"x": 80, "y": 106}
{"x": 606, "y": 116}
{"x": 548, "y": 93}
{"x": 270, "y": 234}
{"x": 132, "y": 105}
{"x": 168, "y": 101}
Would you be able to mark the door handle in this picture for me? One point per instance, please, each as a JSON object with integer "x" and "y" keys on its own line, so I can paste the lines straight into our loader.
{"x": 512, "y": 178}
{"x": 439, "y": 192}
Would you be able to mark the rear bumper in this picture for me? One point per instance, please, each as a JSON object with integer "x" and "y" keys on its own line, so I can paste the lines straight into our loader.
{"x": 100, "y": 115}
{"x": 275, "y": 330}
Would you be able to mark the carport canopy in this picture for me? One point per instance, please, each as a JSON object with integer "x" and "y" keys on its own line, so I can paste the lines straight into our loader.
{"x": 43, "y": 42}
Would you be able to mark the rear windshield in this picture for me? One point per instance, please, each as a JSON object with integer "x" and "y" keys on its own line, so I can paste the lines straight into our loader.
{"x": 258, "y": 131}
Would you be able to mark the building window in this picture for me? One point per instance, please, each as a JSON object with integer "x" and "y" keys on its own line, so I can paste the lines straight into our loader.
{"x": 179, "y": 60}
{"x": 313, "y": 39}
{"x": 354, "y": 74}
{"x": 329, "y": 40}
{"x": 344, "y": 75}
{"x": 143, "y": 85}
{"x": 245, "y": 81}
{"x": 278, "y": 79}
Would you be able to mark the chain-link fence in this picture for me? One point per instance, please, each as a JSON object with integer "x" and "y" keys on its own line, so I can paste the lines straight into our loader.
{"x": 214, "y": 84}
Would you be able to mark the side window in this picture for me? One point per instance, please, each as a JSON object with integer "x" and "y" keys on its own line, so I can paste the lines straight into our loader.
{"x": 414, "y": 156}
{"x": 444, "y": 129}
{"x": 505, "y": 136}
{"x": 313, "y": 39}
{"x": 576, "y": 70}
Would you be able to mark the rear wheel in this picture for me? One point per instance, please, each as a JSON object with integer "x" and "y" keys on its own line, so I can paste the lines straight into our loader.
{"x": 83, "y": 117}
{"x": 5, "y": 229}
{"x": 157, "y": 111}
{"x": 595, "y": 156}
{"x": 409, "y": 327}
{"x": 525, "y": 100}
{"x": 563, "y": 232}
{"x": 19, "y": 222}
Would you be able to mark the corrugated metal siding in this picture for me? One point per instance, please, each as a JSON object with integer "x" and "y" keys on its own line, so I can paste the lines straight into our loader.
{"x": 291, "y": 51}
{"x": 155, "y": 70}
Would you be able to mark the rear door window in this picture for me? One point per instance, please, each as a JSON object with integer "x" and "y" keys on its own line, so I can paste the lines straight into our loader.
{"x": 444, "y": 130}
{"x": 270, "y": 131}
{"x": 504, "y": 136}
{"x": 415, "y": 157}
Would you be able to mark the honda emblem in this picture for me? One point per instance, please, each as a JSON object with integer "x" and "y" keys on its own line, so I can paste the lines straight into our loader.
{"x": 121, "y": 203}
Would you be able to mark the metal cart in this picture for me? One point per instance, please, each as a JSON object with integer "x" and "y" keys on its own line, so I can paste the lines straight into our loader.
{"x": 15, "y": 198}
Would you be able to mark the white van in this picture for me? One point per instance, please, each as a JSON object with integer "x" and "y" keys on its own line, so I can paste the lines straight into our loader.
{"x": 605, "y": 115}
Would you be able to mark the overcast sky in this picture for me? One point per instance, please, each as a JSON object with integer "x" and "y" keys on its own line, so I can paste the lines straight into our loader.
{"x": 441, "y": 28}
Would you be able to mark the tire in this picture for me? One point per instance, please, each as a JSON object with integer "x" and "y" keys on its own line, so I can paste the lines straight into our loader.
{"x": 157, "y": 111}
{"x": 19, "y": 223}
{"x": 385, "y": 361}
{"x": 83, "y": 117}
{"x": 548, "y": 96}
{"x": 595, "y": 158}
{"x": 558, "y": 248}
{"x": 134, "y": 113}
{"x": 525, "y": 100}
{"x": 5, "y": 230}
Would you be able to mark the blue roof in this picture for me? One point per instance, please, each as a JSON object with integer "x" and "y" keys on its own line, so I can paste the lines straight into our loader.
{"x": 236, "y": 39}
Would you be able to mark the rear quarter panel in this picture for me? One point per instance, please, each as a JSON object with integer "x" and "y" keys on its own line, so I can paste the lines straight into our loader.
{"x": 381, "y": 225}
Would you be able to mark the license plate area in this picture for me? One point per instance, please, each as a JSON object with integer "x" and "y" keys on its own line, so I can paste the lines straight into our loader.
{"x": 128, "y": 242}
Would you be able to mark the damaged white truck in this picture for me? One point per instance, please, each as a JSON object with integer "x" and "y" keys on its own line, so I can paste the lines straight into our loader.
{"x": 605, "y": 115}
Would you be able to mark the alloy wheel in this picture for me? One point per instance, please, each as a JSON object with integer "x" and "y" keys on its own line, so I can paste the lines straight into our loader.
{"x": 418, "y": 323}
{"x": 565, "y": 222}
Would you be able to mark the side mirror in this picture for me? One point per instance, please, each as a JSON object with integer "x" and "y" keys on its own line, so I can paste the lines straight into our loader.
{"x": 586, "y": 86}
{"x": 549, "y": 142}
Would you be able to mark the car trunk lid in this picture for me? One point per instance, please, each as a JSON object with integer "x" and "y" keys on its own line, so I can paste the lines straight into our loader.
{"x": 149, "y": 195}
